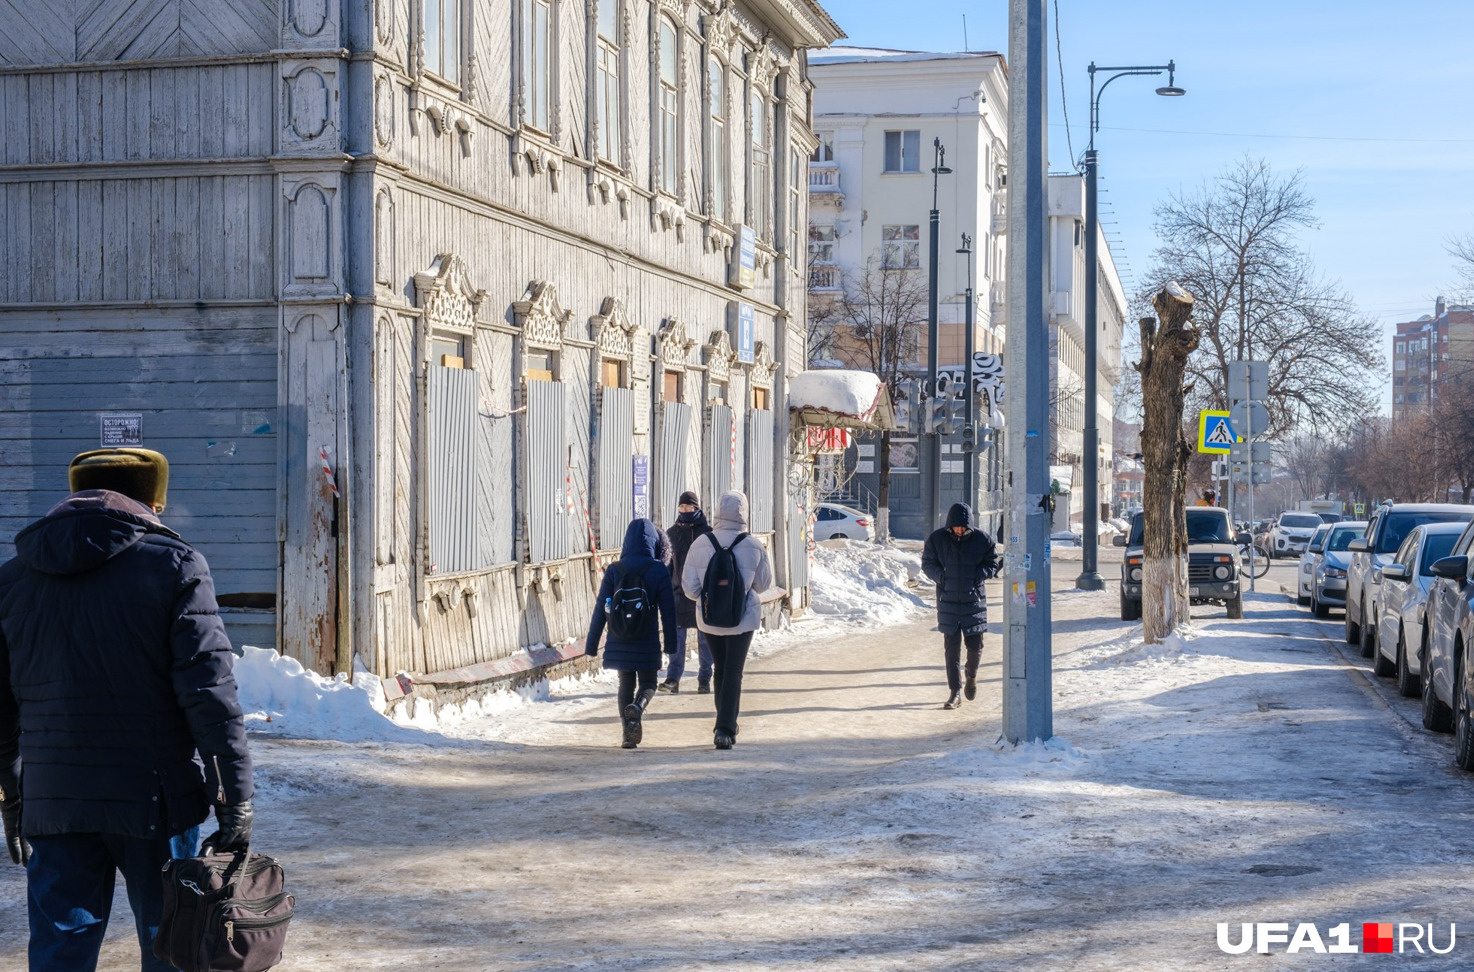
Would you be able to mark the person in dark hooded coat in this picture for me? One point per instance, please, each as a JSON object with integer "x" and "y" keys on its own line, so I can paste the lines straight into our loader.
{"x": 958, "y": 558}
{"x": 119, "y": 722}
{"x": 637, "y": 658}
{"x": 690, "y": 524}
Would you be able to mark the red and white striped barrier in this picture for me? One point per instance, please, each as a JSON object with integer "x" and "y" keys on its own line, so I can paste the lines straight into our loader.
{"x": 327, "y": 470}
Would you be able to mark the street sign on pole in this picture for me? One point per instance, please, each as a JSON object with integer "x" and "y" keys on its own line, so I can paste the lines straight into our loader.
{"x": 1215, "y": 431}
{"x": 1250, "y": 419}
{"x": 1248, "y": 381}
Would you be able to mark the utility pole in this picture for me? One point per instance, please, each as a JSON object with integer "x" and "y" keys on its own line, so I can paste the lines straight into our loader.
{"x": 969, "y": 411}
{"x": 1027, "y": 678}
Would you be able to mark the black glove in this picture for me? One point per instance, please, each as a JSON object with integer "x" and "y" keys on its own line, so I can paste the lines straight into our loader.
{"x": 591, "y": 649}
{"x": 234, "y": 828}
{"x": 19, "y": 847}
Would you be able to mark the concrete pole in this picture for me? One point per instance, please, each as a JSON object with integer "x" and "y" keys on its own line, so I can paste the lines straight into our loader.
{"x": 969, "y": 414}
{"x": 1027, "y": 680}
{"x": 1090, "y": 579}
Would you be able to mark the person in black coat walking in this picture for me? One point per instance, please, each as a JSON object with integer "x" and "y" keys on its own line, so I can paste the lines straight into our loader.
{"x": 637, "y": 586}
{"x": 119, "y": 723}
{"x": 959, "y": 558}
{"x": 690, "y": 524}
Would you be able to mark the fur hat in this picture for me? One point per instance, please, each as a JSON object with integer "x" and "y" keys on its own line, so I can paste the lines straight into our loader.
{"x": 689, "y": 497}
{"x": 139, "y": 474}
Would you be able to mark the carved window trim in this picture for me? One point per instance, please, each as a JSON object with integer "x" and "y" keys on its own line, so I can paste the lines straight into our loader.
{"x": 760, "y": 372}
{"x": 719, "y": 356}
{"x": 602, "y": 49}
{"x": 521, "y": 114}
{"x": 667, "y": 96}
{"x": 614, "y": 340}
{"x": 449, "y": 305}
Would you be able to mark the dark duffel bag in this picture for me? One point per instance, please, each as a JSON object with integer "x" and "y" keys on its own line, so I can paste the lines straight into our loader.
{"x": 224, "y": 913}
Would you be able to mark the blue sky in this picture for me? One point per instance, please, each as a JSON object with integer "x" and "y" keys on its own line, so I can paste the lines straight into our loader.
{"x": 1372, "y": 101}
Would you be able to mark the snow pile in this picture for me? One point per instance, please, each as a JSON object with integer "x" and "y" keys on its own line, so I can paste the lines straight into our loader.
{"x": 1054, "y": 755}
{"x": 862, "y": 582}
{"x": 851, "y": 393}
{"x": 279, "y": 696}
{"x": 1171, "y": 648}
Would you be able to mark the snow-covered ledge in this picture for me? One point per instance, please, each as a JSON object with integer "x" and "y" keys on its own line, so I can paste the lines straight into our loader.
{"x": 840, "y": 399}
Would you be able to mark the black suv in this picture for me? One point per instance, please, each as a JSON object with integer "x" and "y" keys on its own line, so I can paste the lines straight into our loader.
{"x": 1214, "y": 571}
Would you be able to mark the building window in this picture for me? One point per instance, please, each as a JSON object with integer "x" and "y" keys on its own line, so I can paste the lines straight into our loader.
{"x": 759, "y": 398}
{"x": 448, "y": 350}
{"x": 903, "y": 151}
{"x": 670, "y": 389}
{"x": 761, "y": 188}
{"x": 542, "y": 366}
{"x": 611, "y": 373}
{"x": 719, "y": 151}
{"x": 669, "y": 99}
{"x": 824, "y": 151}
{"x": 537, "y": 63}
{"x": 797, "y": 167}
{"x": 821, "y": 244}
{"x": 900, "y": 247}
{"x": 443, "y": 38}
{"x": 607, "y": 100}
{"x": 1401, "y": 347}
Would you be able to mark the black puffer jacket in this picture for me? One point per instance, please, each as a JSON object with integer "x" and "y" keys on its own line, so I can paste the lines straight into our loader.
{"x": 682, "y": 534}
{"x": 958, "y": 566}
{"x": 117, "y": 704}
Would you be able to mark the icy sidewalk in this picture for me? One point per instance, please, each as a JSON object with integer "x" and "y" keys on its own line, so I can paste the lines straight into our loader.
{"x": 1245, "y": 773}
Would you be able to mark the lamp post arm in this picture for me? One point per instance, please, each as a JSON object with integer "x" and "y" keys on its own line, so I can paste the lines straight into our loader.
{"x": 1095, "y": 94}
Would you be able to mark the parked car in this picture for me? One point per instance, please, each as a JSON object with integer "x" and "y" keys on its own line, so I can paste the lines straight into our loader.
{"x": 835, "y": 522}
{"x": 1328, "y": 584}
{"x": 1331, "y": 517}
{"x": 1308, "y": 560}
{"x": 1214, "y": 571}
{"x": 1446, "y": 665}
{"x": 1291, "y": 533}
{"x": 1388, "y": 527}
{"x": 1404, "y": 601}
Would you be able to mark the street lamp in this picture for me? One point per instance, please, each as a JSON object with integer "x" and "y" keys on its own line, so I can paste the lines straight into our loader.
{"x": 934, "y": 458}
{"x": 1090, "y": 579}
{"x": 969, "y": 434}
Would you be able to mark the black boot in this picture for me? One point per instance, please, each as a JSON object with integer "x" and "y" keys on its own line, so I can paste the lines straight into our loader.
{"x": 954, "y": 701}
{"x": 970, "y": 687}
{"x": 703, "y": 686}
{"x": 722, "y": 740}
{"x": 633, "y": 730}
{"x": 643, "y": 699}
{"x": 670, "y": 687}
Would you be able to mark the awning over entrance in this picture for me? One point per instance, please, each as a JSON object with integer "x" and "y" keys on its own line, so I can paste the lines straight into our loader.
{"x": 837, "y": 399}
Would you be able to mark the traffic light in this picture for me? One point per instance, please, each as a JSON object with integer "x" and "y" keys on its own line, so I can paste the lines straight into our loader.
{"x": 936, "y": 415}
{"x": 956, "y": 414}
{"x": 906, "y": 405}
{"x": 969, "y": 438}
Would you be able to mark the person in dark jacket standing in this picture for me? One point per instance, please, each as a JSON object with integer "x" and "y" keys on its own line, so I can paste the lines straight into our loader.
{"x": 636, "y": 658}
{"x": 690, "y": 524}
{"x": 119, "y": 724}
{"x": 959, "y": 558}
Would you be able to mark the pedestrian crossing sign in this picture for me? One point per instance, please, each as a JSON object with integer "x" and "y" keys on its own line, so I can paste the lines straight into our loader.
{"x": 1215, "y": 434}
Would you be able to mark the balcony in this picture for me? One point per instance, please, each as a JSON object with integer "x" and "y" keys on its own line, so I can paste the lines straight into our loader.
{"x": 824, "y": 182}
{"x": 824, "y": 278}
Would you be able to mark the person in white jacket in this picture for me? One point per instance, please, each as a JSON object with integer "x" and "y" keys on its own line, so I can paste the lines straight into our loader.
{"x": 729, "y": 645}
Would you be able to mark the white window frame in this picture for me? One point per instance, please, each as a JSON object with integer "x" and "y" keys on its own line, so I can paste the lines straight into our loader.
{"x": 609, "y": 84}
{"x": 900, "y": 250}
{"x": 760, "y": 171}
{"x": 798, "y": 185}
{"x": 537, "y": 56}
{"x": 666, "y": 138}
{"x": 905, "y": 163}
{"x": 442, "y": 36}
{"x": 720, "y": 147}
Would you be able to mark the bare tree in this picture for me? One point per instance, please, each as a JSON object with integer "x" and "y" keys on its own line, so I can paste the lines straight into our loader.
{"x": 875, "y": 323}
{"x": 1462, "y": 250}
{"x": 1305, "y": 458}
{"x": 1234, "y": 244}
{"x": 1166, "y": 343}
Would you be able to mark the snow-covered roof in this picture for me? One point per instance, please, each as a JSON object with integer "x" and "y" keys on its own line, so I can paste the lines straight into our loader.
{"x": 837, "y": 398}
{"x": 864, "y": 55}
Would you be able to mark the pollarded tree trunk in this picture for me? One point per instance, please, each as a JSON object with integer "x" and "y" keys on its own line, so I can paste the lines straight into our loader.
{"x": 1165, "y": 345}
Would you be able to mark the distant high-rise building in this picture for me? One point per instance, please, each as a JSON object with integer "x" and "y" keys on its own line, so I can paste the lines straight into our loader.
{"x": 1429, "y": 351}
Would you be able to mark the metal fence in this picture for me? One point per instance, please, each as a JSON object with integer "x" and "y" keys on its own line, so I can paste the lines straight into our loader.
{"x": 760, "y": 469}
{"x": 616, "y": 445}
{"x": 720, "y": 449}
{"x": 670, "y": 458}
{"x": 452, "y": 472}
{"x": 548, "y": 502}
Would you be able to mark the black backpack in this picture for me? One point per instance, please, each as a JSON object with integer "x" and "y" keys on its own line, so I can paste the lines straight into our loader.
{"x": 630, "y": 609}
{"x": 723, "y": 592}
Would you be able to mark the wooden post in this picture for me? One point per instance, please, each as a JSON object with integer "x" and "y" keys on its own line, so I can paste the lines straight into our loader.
{"x": 1165, "y": 345}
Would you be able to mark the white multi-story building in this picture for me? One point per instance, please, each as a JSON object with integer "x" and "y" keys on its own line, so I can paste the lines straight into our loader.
{"x": 878, "y": 116}
{"x": 1067, "y": 277}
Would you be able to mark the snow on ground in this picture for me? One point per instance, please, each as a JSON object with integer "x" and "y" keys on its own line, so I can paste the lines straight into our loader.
{"x": 860, "y": 582}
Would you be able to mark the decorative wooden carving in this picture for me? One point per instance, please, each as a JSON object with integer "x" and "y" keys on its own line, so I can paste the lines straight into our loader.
{"x": 719, "y": 356}
{"x": 308, "y": 17}
{"x": 674, "y": 344}
{"x": 541, "y": 317}
{"x": 384, "y": 22}
{"x": 612, "y": 330}
{"x": 385, "y": 110}
{"x": 446, "y": 296}
{"x": 763, "y": 366}
{"x": 308, "y": 110}
{"x": 311, "y": 239}
{"x": 384, "y": 238}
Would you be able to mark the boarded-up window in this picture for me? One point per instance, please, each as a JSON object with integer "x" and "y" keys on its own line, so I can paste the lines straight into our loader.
{"x": 760, "y": 469}
{"x": 547, "y": 501}
{"x": 719, "y": 392}
{"x": 616, "y": 445}
{"x": 448, "y": 351}
{"x": 759, "y": 398}
{"x": 721, "y": 451}
{"x": 670, "y": 458}
{"x": 611, "y": 373}
{"x": 671, "y": 390}
{"x": 542, "y": 366}
{"x": 452, "y": 474}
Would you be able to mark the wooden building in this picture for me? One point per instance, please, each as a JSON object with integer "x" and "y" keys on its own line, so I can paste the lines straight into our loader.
{"x": 423, "y": 299}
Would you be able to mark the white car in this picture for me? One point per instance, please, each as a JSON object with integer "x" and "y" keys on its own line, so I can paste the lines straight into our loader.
{"x": 1309, "y": 560}
{"x": 835, "y": 522}
{"x": 1291, "y": 533}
